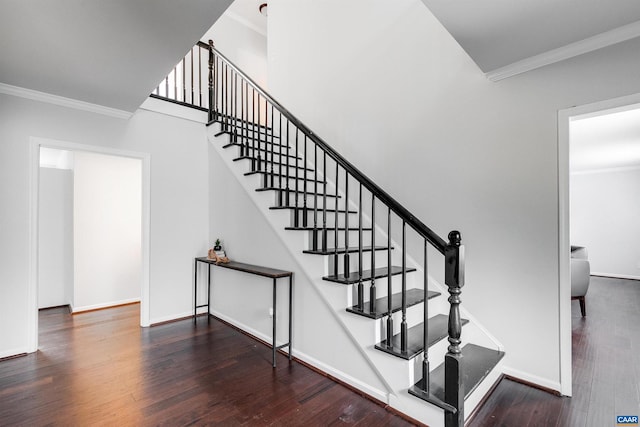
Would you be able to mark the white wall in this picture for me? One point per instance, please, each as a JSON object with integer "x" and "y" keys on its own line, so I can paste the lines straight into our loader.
{"x": 605, "y": 207}
{"x": 56, "y": 237}
{"x": 390, "y": 89}
{"x": 179, "y": 200}
{"x": 107, "y": 214}
{"x": 244, "y": 46}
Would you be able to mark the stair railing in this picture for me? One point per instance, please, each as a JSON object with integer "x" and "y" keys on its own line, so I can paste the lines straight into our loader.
{"x": 281, "y": 148}
{"x": 187, "y": 83}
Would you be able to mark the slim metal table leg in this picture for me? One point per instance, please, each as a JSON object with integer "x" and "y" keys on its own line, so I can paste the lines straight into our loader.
{"x": 274, "y": 322}
{"x": 290, "y": 315}
{"x": 195, "y": 290}
{"x": 209, "y": 294}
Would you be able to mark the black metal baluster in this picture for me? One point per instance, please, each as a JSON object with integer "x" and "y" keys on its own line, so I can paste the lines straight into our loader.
{"x": 175, "y": 83}
{"x": 296, "y": 221}
{"x": 234, "y": 105}
{"x": 224, "y": 97}
{"x": 166, "y": 87}
{"x": 286, "y": 194}
{"x": 257, "y": 125}
{"x": 346, "y": 266}
{"x": 192, "y": 100}
{"x": 280, "y": 159}
{"x": 389, "y": 284}
{"x": 360, "y": 285}
{"x": 211, "y": 89}
{"x": 272, "y": 182}
{"x": 425, "y": 338}
{"x": 403, "y": 324}
{"x": 242, "y": 119}
{"x": 335, "y": 225}
{"x": 372, "y": 288}
{"x": 199, "y": 77}
{"x": 253, "y": 129}
{"x": 184, "y": 68}
{"x": 324, "y": 201}
{"x": 315, "y": 197}
{"x": 305, "y": 219}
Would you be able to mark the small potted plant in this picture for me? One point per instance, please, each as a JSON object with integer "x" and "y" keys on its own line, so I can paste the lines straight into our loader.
{"x": 217, "y": 246}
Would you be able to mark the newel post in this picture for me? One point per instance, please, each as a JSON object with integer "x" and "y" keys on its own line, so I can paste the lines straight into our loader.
{"x": 211, "y": 97}
{"x": 454, "y": 279}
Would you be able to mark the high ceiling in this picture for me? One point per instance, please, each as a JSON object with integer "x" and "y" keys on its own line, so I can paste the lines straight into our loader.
{"x": 498, "y": 33}
{"x": 111, "y": 52}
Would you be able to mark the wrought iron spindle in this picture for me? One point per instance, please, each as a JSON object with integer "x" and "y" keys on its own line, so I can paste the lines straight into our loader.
{"x": 425, "y": 338}
{"x": 346, "y": 266}
{"x": 257, "y": 125}
{"x": 192, "y": 93}
{"x": 199, "y": 77}
{"x": 454, "y": 279}
{"x": 242, "y": 120}
{"x": 184, "y": 69}
{"x": 360, "y": 285}
{"x": 280, "y": 160}
{"x": 234, "y": 105}
{"x": 314, "y": 238}
{"x": 273, "y": 147}
{"x": 211, "y": 88}
{"x": 335, "y": 225}
{"x": 403, "y": 325}
{"x": 253, "y": 131}
{"x": 296, "y": 221}
{"x": 372, "y": 288}
{"x": 305, "y": 214}
{"x": 287, "y": 198}
{"x": 324, "y": 201}
{"x": 225, "y": 90}
{"x": 389, "y": 283}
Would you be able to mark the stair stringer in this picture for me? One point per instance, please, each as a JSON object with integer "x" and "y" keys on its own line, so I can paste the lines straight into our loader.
{"x": 396, "y": 374}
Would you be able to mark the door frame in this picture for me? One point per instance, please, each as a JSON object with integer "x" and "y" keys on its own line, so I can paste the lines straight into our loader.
{"x": 34, "y": 175}
{"x": 565, "y": 116}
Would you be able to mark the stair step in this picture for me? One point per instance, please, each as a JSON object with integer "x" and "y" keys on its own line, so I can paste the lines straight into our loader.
{"x": 438, "y": 329}
{"x": 292, "y": 190}
{"x": 477, "y": 363}
{"x": 275, "y": 174}
{"x": 221, "y": 117}
{"x": 414, "y": 297}
{"x": 310, "y": 209}
{"x": 332, "y": 251}
{"x": 235, "y": 144}
{"x": 312, "y": 228}
{"x": 284, "y": 165}
{"x": 366, "y": 275}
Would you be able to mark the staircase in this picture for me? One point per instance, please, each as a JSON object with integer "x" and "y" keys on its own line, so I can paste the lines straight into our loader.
{"x": 359, "y": 237}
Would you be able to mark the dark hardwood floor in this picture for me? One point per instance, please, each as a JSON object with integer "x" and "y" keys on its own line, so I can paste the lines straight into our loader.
{"x": 606, "y": 368}
{"x": 101, "y": 368}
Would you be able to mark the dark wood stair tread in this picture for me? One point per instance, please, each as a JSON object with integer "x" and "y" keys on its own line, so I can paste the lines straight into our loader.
{"x": 331, "y": 251}
{"x": 293, "y": 190}
{"x": 353, "y": 276}
{"x": 235, "y": 144}
{"x": 414, "y": 297}
{"x": 310, "y": 209}
{"x": 312, "y": 228}
{"x": 269, "y": 162}
{"x": 438, "y": 329}
{"x": 276, "y": 174}
{"x": 477, "y": 362}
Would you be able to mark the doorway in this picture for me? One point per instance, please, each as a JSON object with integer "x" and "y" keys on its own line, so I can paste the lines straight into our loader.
{"x": 565, "y": 119}
{"x": 98, "y": 217}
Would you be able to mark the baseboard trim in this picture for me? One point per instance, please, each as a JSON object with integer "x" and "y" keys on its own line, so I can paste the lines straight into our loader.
{"x": 89, "y": 308}
{"x": 57, "y": 306}
{"x": 13, "y": 356}
{"x": 484, "y": 400}
{"x": 532, "y": 385}
{"x": 616, "y": 276}
{"x": 532, "y": 381}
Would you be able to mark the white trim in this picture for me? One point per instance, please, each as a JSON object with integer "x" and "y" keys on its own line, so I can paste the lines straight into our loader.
{"x": 105, "y": 305}
{"x": 65, "y": 102}
{"x": 245, "y": 22}
{"x": 342, "y": 376}
{"x": 607, "y": 170}
{"x": 534, "y": 379}
{"x": 174, "y": 110}
{"x": 599, "y": 41}
{"x": 174, "y": 317}
{"x": 616, "y": 276}
{"x": 564, "y": 230}
{"x": 564, "y": 261}
{"x": 36, "y": 143}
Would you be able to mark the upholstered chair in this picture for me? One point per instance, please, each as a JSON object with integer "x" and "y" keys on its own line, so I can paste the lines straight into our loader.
{"x": 580, "y": 275}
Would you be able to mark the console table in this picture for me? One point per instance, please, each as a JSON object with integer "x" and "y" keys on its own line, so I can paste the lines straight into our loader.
{"x": 251, "y": 269}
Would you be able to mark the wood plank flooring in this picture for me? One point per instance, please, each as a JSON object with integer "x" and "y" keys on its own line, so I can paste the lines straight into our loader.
{"x": 606, "y": 368}
{"x": 101, "y": 368}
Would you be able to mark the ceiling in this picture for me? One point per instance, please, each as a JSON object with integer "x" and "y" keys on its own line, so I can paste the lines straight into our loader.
{"x": 247, "y": 12}
{"x": 607, "y": 141}
{"x": 501, "y": 33}
{"x": 111, "y": 53}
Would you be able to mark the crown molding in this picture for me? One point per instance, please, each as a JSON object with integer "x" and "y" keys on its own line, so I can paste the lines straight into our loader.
{"x": 613, "y": 169}
{"x": 62, "y": 101}
{"x": 599, "y": 41}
